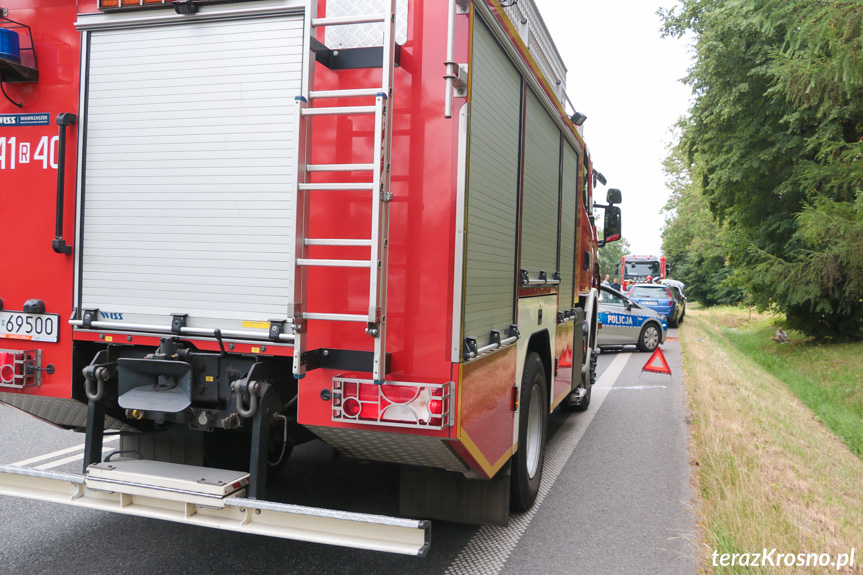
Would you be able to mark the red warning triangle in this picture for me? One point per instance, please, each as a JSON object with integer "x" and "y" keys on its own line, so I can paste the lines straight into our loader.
{"x": 657, "y": 363}
{"x": 566, "y": 358}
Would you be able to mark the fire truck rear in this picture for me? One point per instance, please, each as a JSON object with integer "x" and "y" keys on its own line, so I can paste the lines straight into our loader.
{"x": 635, "y": 269}
{"x": 232, "y": 227}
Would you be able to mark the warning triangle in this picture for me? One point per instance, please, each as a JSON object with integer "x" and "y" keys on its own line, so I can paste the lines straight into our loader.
{"x": 566, "y": 358}
{"x": 657, "y": 363}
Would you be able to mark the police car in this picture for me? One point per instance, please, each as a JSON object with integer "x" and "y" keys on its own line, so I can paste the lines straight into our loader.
{"x": 624, "y": 322}
{"x": 660, "y": 298}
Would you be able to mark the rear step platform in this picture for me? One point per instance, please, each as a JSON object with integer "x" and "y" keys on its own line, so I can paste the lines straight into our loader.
{"x": 186, "y": 483}
{"x": 211, "y": 498}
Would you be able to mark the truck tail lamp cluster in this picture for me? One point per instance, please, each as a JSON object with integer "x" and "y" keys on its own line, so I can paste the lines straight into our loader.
{"x": 393, "y": 404}
{"x": 20, "y": 369}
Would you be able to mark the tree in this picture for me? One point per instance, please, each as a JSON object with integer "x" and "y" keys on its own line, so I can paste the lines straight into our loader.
{"x": 609, "y": 257}
{"x": 821, "y": 285}
{"x": 775, "y": 138}
{"x": 820, "y": 69}
{"x": 693, "y": 243}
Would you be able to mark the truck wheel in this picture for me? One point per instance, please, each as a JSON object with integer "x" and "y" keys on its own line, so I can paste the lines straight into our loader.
{"x": 528, "y": 460}
{"x": 648, "y": 340}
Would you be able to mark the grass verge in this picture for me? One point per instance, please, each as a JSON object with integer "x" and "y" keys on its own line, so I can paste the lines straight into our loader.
{"x": 770, "y": 473}
{"x": 827, "y": 378}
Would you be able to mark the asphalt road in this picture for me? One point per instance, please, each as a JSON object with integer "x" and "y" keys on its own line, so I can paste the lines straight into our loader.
{"x": 615, "y": 499}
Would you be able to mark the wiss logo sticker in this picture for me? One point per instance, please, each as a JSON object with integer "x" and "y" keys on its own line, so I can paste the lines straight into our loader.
{"x": 111, "y": 315}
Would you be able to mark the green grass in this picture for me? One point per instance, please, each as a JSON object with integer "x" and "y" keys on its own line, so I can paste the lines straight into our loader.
{"x": 828, "y": 378}
{"x": 772, "y": 468}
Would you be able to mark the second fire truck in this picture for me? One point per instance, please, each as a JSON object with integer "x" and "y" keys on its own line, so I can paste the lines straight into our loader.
{"x": 635, "y": 269}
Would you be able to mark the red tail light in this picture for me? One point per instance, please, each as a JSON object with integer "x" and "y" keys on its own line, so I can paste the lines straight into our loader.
{"x": 436, "y": 407}
{"x": 16, "y": 368}
{"x": 399, "y": 393}
{"x": 351, "y": 407}
{"x": 425, "y": 405}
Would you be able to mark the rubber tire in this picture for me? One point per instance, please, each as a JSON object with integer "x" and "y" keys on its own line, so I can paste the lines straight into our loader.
{"x": 640, "y": 343}
{"x": 591, "y": 376}
{"x": 524, "y": 487}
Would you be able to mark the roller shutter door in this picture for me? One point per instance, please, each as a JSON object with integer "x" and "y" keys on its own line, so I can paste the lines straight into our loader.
{"x": 567, "y": 228}
{"x": 188, "y": 205}
{"x": 541, "y": 181}
{"x": 492, "y": 203}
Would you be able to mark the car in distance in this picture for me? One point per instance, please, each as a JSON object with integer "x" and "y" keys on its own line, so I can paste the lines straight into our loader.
{"x": 681, "y": 300}
{"x": 678, "y": 288}
{"x": 675, "y": 283}
{"x": 624, "y": 322}
{"x": 659, "y": 298}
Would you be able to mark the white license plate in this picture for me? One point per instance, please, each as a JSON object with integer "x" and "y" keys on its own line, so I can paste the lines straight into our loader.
{"x": 650, "y": 302}
{"x": 30, "y": 326}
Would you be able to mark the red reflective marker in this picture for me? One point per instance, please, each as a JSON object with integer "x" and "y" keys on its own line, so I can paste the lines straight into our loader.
{"x": 657, "y": 363}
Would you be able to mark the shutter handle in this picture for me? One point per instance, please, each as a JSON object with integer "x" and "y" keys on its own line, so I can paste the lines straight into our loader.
{"x": 59, "y": 244}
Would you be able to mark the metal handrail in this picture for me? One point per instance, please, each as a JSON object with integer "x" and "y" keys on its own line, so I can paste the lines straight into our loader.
{"x": 451, "y": 66}
{"x": 111, "y": 325}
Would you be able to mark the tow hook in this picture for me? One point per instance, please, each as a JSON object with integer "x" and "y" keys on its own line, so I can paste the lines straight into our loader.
{"x": 95, "y": 378}
{"x": 242, "y": 387}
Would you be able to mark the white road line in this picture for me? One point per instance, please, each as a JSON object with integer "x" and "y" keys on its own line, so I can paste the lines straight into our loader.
{"x": 26, "y": 462}
{"x": 78, "y": 457}
{"x": 490, "y": 547}
{"x": 639, "y": 387}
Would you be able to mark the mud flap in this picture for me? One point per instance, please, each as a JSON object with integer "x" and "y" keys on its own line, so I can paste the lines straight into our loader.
{"x": 450, "y": 496}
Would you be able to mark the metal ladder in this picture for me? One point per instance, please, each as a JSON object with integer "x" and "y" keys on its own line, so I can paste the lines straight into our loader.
{"x": 378, "y": 187}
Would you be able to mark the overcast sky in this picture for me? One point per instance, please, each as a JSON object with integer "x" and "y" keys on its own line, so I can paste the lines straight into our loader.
{"x": 625, "y": 78}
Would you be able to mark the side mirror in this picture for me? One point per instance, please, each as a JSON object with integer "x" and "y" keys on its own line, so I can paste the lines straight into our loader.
{"x": 628, "y": 306}
{"x": 614, "y": 196}
{"x": 612, "y": 227}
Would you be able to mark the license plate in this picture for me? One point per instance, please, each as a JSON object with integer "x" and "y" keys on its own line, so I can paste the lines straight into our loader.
{"x": 650, "y": 302}
{"x": 30, "y": 326}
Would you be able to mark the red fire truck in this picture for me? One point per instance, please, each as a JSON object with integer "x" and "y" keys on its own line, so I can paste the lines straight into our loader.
{"x": 231, "y": 227}
{"x": 636, "y": 269}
